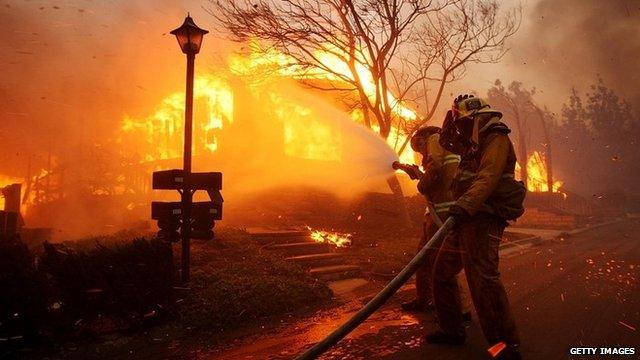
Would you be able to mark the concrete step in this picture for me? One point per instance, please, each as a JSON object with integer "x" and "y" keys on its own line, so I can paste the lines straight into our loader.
{"x": 349, "y": 288}
{"x": 322, "y": 259}
{"x": 273, "y": 240}
{"x": 300, "y": 248}
{"x": 335, "y": 272}
{"x": 270, "y": 232}
{"x": 266, "y": 236}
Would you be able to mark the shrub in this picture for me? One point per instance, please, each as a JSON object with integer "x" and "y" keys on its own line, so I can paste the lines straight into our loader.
{"x": 125, "y": 279}
{"x": 21, "y": 291}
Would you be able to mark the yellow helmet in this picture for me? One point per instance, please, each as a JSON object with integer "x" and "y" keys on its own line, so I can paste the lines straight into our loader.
{"x": 468, "y": 106}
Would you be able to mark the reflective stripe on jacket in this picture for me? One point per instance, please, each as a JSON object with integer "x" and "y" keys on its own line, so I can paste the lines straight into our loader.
{"x": 443, "y": 207}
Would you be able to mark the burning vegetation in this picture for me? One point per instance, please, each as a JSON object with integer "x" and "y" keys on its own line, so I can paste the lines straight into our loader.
{"x": 537, "y": 177}
{"x": 334, "y": 238}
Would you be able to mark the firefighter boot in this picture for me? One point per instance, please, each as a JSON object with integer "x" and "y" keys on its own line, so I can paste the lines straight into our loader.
{"x": 417, "y": 305}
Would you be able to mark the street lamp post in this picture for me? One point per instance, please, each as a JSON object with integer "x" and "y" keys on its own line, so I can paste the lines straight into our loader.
{"x": 189, "y": 37}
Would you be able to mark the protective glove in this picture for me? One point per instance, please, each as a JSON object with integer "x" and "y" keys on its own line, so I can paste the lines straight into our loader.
{"x": 459, "y": 214}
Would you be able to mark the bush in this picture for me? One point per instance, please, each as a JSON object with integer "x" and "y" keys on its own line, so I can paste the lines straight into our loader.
{"x": 127, "y": 279}
{"x": 21, "y": 296}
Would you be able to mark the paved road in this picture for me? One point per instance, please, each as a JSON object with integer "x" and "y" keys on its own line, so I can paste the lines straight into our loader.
{"x": 581, "y": 291}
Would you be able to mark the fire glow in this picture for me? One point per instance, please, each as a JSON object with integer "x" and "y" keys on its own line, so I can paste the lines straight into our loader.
{"x": 6, "y": 181}
{"x": 537, "y": 174}
{"x": 304, "y": 137}
{"x": 334, "y": 238}
{"x": 162, "y": 129}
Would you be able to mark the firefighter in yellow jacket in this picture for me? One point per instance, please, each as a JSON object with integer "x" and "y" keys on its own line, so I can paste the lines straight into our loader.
{"x": 487, "y": 196}
{"x": 439, "y": 167}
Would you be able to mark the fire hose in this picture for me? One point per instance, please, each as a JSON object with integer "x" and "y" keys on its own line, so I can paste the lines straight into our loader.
{"x": 375, "y": 303}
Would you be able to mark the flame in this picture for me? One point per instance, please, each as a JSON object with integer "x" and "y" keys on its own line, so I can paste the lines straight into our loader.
{"x": 163, "y": 129}
{"x": 537, "y": 174}
{"x": 335, "y": 238}
{"x": 337, "y": 65}
{"x": 398, "y": 108}
{"x": 304, "y": 136}
{"x": 158, "y": 135}
{"x": 6, "y": 181}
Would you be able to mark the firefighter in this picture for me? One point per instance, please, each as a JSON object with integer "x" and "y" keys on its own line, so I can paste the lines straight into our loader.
{"x": 435, "y": 184}
{"x": 487, "y": 196}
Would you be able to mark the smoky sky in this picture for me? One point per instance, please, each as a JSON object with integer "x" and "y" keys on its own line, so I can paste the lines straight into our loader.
{"x": 71, "y": 69}
{"x": 572, "y": 42}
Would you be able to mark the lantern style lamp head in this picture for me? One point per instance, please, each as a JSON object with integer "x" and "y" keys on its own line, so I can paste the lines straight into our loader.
{"x": 189, "y": 36}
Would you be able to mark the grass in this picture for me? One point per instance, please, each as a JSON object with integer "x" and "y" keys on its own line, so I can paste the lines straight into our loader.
{"x": 128, "y": 280}
{"x": 235, "y": 282}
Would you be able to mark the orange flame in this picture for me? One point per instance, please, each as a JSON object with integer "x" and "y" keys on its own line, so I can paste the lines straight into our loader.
{"x": 304, "y": 136}
{"x": 6, "y": 181}
{"x": 334, "y": 238}
{"x": 163, "y": 128}
{"x": 537, "y": 174}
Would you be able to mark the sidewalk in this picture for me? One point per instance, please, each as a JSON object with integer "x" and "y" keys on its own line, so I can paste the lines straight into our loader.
{"x": 541, "y": 235}
{"x": 549, "y": 234}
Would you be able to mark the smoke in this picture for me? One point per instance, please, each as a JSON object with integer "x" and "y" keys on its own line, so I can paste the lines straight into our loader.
{"x": 572, "y": 42}
{"x": 72, "y": 68}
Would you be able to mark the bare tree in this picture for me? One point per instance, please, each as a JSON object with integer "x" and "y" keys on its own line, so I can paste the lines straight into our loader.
{"x": 546, "y": 120}
{"x": 517, "y": 103}
{"x": 383, "y": 49}
{"x": 467, "y": 31}
{"x": 361, "y": 37}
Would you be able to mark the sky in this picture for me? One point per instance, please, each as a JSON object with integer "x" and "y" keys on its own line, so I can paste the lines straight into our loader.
{"x": 569, "y": 43}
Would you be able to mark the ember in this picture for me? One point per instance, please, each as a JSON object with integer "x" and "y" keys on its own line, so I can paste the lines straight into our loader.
{"x": 627, "y": 325}
{"x": 333, "y": 238}
{"x": 496, "y": 349}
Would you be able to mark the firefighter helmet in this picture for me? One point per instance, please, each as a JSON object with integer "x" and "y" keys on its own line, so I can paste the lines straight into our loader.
{"x": 469, "y": 126}
{"x": 420, "y": 137}
{"x": 466, "y": 106}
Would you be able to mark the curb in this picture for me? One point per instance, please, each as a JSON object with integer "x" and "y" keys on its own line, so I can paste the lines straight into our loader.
{"x": 531, "y": 239}
{"x": 595, "y": 226}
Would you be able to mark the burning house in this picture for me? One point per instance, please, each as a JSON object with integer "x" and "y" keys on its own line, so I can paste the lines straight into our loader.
{"x": 270, "y": 135}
